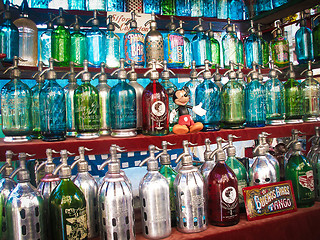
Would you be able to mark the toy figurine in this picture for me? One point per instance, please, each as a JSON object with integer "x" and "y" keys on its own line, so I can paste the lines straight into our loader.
{"x": 185, "y": 122}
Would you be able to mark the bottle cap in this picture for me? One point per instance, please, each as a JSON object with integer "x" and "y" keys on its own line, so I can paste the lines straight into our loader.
{"x": 199, "y": 27}
{"x": 64, "y": 169}
{"x": 152, "y": 163}
{"x": 230, "y": 73}
{"x": 180, "y": 29}
{"x": 132, "y": 21}
{"x": 291, "y": 74}
{"x": 86, "y": 75}
{"x": 171, "y": 25}
{"x": 154, "y": 74}
{"x": 207, "y": 151}
{"x": 228, "y": 27}
{"x": 210, "y": 32}
{"x": 113, "y": 162}
{"x": 193, "y": 72}
{"x": 152, "y": 22}
{"x": 22, "y": 171}
{"x": 273, "y": 73}
{"x": 102, "y": 74}
{"x": 231, "y": 150}
{"x": 219, "y": 153}
{"x": 81, "y": 161}
{"x": 94, "y": 19}
{"x": 132, "y": 74}
{"x": 308, "y": 72}
{"x": 165, "y": 75}
{"x": 111, "y": 26}
{"x": 164, "y": 156}
{"x": 7, "y": 168}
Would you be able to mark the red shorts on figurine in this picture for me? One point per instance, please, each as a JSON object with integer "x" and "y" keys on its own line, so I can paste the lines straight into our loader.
{"x": 186, "y": 120}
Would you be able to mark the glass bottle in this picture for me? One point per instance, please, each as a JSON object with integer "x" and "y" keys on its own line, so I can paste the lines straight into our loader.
{"x": 168, "y": 7}
{"x": 255, "y": 101}
{"x": 112, "y": 45}
{"x": 183, "y": 8}
{"x": 78, "y": 48}
{"x": 16, "y": 109}
{"x": 186, "y": 46}
{"x": 230, "y": 46}
{"x": 210, "y": 8}
{"x": 264, "y": 46}
{"x": 96, "y": 5}
{"x": 293, "y": 97}
{"x": 155, "y": 106}
{"x": 45, "y": 42}
{"x": 310, "y": 96}
{"x": 67, "y": 206}
{"x": 200, "y": 45}
{"x": 223, "y": 196}
{"x": 240, "y": 76}
{"x": 192, "y": 85}
{"x": 214, "y": 46}
{"x": 39, "y": 4}
{"x": 279, "y": 48}
{"x": 275, "y": 93}
{"x": 236, "y": 9}
{"x": 115, "y": 6}
{"x": 278, "y": 3}
{"x": 252, "y": 47}
{"x": 96, "y": 42}
{"x": 134, "y": 43}
{"x": 304, "y": 45}
{"x": 104, "y": 101}
{"x": 77, "y": 4}
{"x": 154, "y": 43}
{"x": 61, "y": 42}
{"x": 52, "y": 107}
{"x": 196, "y": 8}
{"x": 316, "y": 39}
{"x": 240, "y": 46}
{"x": 232, "y": 102}
{"x": 69, "y": 90}
{"x": 208, "y": 94}
{"x": 173, "y": 46}
{"x": 222, "y": 9}
{"x": 35, "y": 94}
{"x": 300, "y": 172}
{"x": 217, "y": 77}
{"x": 9, "y": 36}
{"x": 28, "y": 37}
{"x": 123, "y": 103}
{"x": 152, "y": 6}
{"x": 86, "y": 106}
{"x": 263, "y": 6}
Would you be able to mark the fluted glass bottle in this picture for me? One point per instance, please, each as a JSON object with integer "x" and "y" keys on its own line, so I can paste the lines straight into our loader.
{"x": 278, "y": 3}
{"x": 264, "y": 5}
{"x": 183, "y": 8}
{"x": 45, "y": 44}
{"x": 196, "y": 8}
{"x": 77, "y": 4}
{"x": 230, "y": 46}
{"x": 253, "y": 48}
{"x": 39, "y": 4}
{"x": 200, "y": 46}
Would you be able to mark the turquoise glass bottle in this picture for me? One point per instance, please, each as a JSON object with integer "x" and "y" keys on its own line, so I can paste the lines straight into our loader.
{"x": 134, "y": 43}
{"x": 77, "y": 4}
{"x": 86, "y": 107}
{"x": 96, "y": 42}
{"x": 152, "y": 6}
{"x": 61, "y": 42}
{"x": 222, "y": 9}
{"x": 45, "y": 42}
{"x": 208, "y": 94}
{"x": 232, "y": 102}
{"x": 304, "y": 45}
{"x": 123, "y": 103}
{"x": 112, "y": 45}
{"x": 236, "y": 9}
{"x": 115, "y": 6}
{"x": 278, "y": 3}
{"x": 52, "y": 107}
{"x": 264, "y": 5}
{"x": 210, "y": 8}
{"x": 230, "y": 46}
{"x": 183, "y": 8}
{"x": 9, "y": 36}
{"x": 275, "y": 97}
{"x": 255, "y": 101}
{"x": 16, "y": 107}
{"x": 200, "y": 45}
{"x": 252, "y": 47}
{"x": 78, "y": 48}
{"x": 316, "y": 39}
{"x": 39, "y": 4}
{"x": 279, "y": 48}
{"x": 173, "y": 47}
{"x": 214, "y": 46}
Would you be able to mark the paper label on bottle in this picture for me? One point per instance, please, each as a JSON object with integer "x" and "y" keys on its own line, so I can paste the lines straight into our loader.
{"x": 176, "y": 49}
{"x": 281, "y": 53}
{"x": 306, "y": 180}
{"x": 229, "y": 195}
{"x": 76, "y": 223}
{"x": 158, "y": 111}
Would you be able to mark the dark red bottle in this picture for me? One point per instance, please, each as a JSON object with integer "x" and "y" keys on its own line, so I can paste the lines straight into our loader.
{"x": 155, "y": 105}
{"x": 223, "y": 198}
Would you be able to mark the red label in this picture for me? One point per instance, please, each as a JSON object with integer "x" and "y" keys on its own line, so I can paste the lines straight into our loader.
{"x": 307, "y": 180}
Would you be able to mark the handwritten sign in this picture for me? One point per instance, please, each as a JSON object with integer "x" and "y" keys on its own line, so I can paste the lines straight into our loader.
{"x": 269, "y": 200}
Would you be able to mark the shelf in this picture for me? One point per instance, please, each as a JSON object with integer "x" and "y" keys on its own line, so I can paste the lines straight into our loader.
{"x": 140, "y": 143}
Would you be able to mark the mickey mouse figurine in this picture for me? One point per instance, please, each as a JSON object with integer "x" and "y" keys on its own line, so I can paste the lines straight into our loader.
{"x": 185, "y": 122}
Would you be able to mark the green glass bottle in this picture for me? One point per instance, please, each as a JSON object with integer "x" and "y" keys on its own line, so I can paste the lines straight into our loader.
{"x": 264, "y": 46}
{"x": 61, "y": 42}
{"x": 316, "y": 39}
{"x": 67, "y": 206}
{"x": 299, "y": 171}
{"x": 215, "y": 47}
{"x": 168, "y": 7}
{"x": 86, "y": 107}
{"x": 240, "y": 47}
{"x": 78, "y": 48}
{"x": 293, "y": 103}
{"x": 279, "y": 48}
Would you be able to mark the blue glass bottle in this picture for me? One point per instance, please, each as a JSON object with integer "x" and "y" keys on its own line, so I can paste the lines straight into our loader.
{"x": 39, "y": 4}
{"x": 134, "y": 43}
{"x": 183, "y": 8}
{"x": 278, "y": 3}
{"x": 112, "y": 45}
{"x": 115, "y": 6}
{"x": 123, "y": 106}
{"x": 253, "y": 48}
{"x": 222, "y": 9}
{"x": 78, "y": 48}
{"x": 230, "y": 46}
{"x": 236, "y": 9}
{"x": 16, "y": 107}
{"x": 45, "y": 42}
{"x": 264, "y": 5}
{"x": 255, "y": 101}
{"x": 173, "y": 47}
{"x": 210, "y": 8}
{"x": 96, "y": 5}
{"x": 186, "y": 46}
{"x": 200, "y": 45}
{"x": 96, "y": 42}
{"x": 52, "y": 107}
{"x": 196, "y": 8}
{"x": 275, "y": 97}
{"x": 152, "y": 6}
{"x": 77, "y": 4}
{"x": 304, "y": 44}
{"x": 9, "y": 36}
{"x": 208, "y": 94}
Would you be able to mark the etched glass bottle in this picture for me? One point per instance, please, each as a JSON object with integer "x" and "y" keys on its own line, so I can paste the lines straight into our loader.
{"x": 86, "y": 107}
{"x": 168, "y": 7}
{"x": 115, "y": 6}
{"x": 214, "y": 46}
{"x": 253, "y": 48}
{"x": 230, "y": 46}
{"x": 77, "y": 4}
{"x": 183, "y": 8}
{"x": 45, "y": 42}
{"x": 279, "y": 48}
{"x": 112, "y": 45}
{"x": 152, "y": 6}
{"x": 78, "y": 48}
{"x": 96, "y": 5}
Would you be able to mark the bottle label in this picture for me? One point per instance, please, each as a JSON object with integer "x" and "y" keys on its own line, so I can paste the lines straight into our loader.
{"x": 281, "y": 53}
{"x": 76, "y": 223}
{"x": 134, "y": 48}
{"x": 158, "y": 111}
{"x": 176, "y": 49}
{"x": 306, "y": 180}
{"x": 229, "y": 195}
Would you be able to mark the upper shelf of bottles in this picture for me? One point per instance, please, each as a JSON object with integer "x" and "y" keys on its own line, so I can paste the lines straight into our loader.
{"x": 141, "y": 142}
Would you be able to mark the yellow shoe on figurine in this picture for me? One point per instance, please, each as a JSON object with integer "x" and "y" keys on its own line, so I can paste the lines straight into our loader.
{"x": 197, "y": 127}
{"x": 180, "y": 129}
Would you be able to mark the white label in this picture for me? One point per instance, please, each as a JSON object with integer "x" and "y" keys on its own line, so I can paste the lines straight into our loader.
{"x": 158, "y": 108}
{"x": 229, "y": 195}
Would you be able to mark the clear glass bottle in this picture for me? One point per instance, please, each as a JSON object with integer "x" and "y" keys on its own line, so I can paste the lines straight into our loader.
{"x": 183, "y": 8}
{"x": 86, "y": 106}
{"x": 78, "y": 48}
{"x": 52, "y": 107}
{"x": 230, "y": 46}
{"x": 215, "y": 47}
{"x": 9, "y": 36}
{"x": 168, "y": 7}
{"x": 253, "y": 48}
{"x": 155, "y": 106}
{"x": 236, "y": 9}
{"x": 210, "y": 8}
{"x": 304, "y": 45}
{"x": 264, "y": 46}
{"x": 173, "y": 46}
{"x": 196, "y": 8}
{"x": 222, "y": 9}
{"x": 28, "y": 37}
{"x": 61, "y": 42}
{"x": 96, "y": 42}
{"x": 112, "y": 45}
{"x": 123, "y": 103}
{"x": 152, "y": 6}
{"x": 77, "y": 4}
{"x": 200, "y": 45}
{"x": 316, "y": 39}
{"x": 279, "y": 48}
{"x": 16, "y": 108}
{"x": 134, "y": 43}
{"x": 45, "y": 42}
{"x": 96, "y": 5}
{"x": 208, "y": 94}
{"x": 115, "y": 6}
